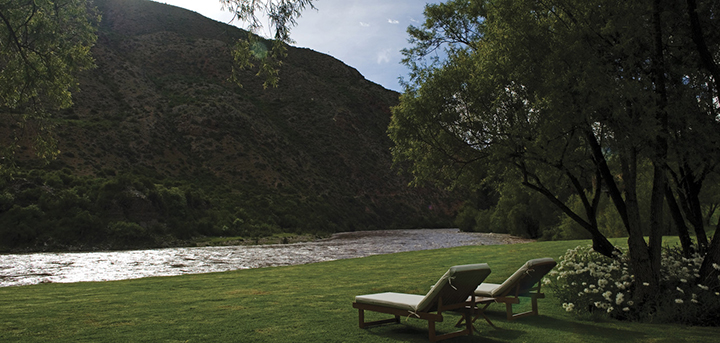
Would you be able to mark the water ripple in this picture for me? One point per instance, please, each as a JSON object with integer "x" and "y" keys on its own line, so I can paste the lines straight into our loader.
{"x": 28, "y": 269}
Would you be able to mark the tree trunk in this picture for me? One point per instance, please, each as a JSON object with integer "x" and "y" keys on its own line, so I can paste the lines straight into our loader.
{"x": 607, "y": 176}
{"x": 659, "y": 158}
{"x": 600, "y": 243}
{"x": 683, "y": 233}
{"x": 708, "y": 274}
{"x": 692, "y": 195}
{"x": 640, "y": 258}
{"x": 657, "y": 221}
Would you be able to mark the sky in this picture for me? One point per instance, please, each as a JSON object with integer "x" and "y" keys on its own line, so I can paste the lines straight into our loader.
{"x": 365, "y": 34}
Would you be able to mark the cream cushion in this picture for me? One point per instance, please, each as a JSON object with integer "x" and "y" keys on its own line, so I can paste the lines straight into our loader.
{"x": 453, "y": 287}
{"x": 390, "y": 299}
{"x": 526, "y": 277}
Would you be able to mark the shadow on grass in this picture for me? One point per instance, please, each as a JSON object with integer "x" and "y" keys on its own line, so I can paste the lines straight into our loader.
{"x": 417, "y": 333}
{"x": 565, "y": 328}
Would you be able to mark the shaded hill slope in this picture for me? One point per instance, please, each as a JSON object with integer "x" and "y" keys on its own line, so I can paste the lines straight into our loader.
{"x": 159, "y": 145}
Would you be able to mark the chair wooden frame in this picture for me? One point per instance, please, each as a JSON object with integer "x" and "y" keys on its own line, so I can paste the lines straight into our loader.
{"x": 514, "y": 298}
{"x": 525, "y": 282}
{"x": 452, "y": 292}
{"x": 467, "y": 308}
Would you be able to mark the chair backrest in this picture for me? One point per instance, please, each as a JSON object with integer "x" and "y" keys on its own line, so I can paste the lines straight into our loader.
{"x": 525, "y": 277}
{"x": 458, "y": 283}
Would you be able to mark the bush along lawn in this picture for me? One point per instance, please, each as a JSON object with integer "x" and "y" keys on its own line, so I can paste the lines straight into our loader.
{"x": 306, "y": 303}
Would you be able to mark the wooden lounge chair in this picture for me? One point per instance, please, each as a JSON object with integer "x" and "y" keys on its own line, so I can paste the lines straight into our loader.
{"x": 453, "y": 292}
{"x": 525, "y": 282}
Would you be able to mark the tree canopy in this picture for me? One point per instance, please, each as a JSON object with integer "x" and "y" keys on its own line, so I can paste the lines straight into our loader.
{"x": 43, "y": 45}
{"x": 568, "y": 98}
{"x": 282, "y": 17}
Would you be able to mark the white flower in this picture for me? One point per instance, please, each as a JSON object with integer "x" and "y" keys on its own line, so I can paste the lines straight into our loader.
{"x": 704, "y": 288}
{"x": 619, "y": 298}
{"x": 630, "y": 303}
{"x": 610, "y": 309}
{"x": 607, "y": 295}
{"x": 679, "y": 289}
{"x": 694, "y": 301}
{"x": 678, "y": 301}
{"x": 546, "y": 281}
{"x": 683, "y": 280}
{"x": 646, "y": 284}
{"x": 568, "y": 306}
{"x": 586, "y": 290}
{"x": 626, "y": 309}
{"x": 716, "y": 266}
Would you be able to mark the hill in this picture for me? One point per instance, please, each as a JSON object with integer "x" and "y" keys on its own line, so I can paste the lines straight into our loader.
{"x": 160, "y": 147}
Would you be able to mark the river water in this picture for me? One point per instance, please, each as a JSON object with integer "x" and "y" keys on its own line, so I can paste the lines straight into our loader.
{"x": 28, "y": 269}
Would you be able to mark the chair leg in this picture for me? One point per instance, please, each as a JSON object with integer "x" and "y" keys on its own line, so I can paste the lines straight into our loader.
{"x": 363, "y": 324}
{"x": 468, "y": 321}
{"x": 480, "y": 313}
{"x": 361, "y": 317}
{"x": 508, "y": 306}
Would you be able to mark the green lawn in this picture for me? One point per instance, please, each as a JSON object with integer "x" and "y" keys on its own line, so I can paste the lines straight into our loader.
{"x": 307, "y": 303}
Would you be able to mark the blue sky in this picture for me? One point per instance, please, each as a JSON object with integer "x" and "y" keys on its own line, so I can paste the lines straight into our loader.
{"x": 365, "y": 34}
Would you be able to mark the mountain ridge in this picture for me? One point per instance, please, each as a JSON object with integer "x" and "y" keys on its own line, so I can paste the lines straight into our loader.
{"x": 164, "y": 146}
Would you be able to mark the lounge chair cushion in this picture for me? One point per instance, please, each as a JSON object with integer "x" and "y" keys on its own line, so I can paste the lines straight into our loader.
{"x": 528, "y": 275}
{"x": 453, "y": 288}
{"x": 487, "y": 289}
{"x": 390, "y": 299}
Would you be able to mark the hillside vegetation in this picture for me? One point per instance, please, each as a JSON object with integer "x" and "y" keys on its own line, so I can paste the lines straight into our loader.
{"x": 160, "y": 147}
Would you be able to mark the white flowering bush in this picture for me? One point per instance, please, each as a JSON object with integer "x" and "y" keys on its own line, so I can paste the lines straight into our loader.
{"x": 587, "y": 281}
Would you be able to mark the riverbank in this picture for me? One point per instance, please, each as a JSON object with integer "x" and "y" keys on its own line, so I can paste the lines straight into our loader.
{"x": 304, "y": 303}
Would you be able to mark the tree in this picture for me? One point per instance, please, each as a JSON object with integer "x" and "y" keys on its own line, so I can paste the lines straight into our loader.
{"x": 282, "y": 17}
{"x": 44, "y": 44}
{"x": 566, "y": 96}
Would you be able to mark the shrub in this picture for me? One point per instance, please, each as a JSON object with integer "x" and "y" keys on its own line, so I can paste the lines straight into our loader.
{"x": 588, "y": 282}
{"x": 126, "y": 233}
{"x": 465, "y": 219}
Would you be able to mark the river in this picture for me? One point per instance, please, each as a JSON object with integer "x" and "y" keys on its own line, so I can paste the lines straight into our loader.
{"x": 28, "y": 269}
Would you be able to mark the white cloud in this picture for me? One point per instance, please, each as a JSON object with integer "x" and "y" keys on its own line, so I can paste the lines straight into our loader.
{"x": 383, "y": 56}
{"x": 350, "y": 29}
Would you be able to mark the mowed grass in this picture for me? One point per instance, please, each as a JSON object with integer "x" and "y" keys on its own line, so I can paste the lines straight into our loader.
{"x": 306, "y": 303}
